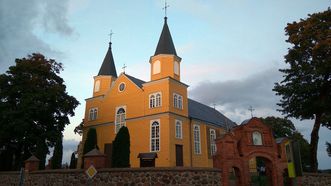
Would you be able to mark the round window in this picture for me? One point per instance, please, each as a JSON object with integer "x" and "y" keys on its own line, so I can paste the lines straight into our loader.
{"x": 121, "y": 87}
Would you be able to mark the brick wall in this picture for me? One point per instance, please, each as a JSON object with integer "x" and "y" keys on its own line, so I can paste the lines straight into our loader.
{"x": 314, "y": 179}
{"x": 127, "y": 176}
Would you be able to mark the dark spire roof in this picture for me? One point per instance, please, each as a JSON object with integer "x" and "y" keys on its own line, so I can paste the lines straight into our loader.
{"x": 108, "y": 66}
{"x": 165, "y": 45}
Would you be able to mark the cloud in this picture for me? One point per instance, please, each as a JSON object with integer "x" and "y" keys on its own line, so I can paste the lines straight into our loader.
{"x": 21, "y": 20}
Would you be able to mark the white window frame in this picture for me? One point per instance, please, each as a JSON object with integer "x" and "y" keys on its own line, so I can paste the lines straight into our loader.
{"x": 155, "y": 100}
{"x": 259, "y": 135}
{"x": 197, "y": 139}
{"x": 212, "y": 137}
{"x": 93, "y": 114}
{"x": 97, "y": 86}
{"x": 178, "y": 129}
{"x": 176, "y": 67}
{"x": 157, "y": 67}
{"x": 120, "y": 119}
{"x": 178, "y": 101}
{"x": 156, "y": 138}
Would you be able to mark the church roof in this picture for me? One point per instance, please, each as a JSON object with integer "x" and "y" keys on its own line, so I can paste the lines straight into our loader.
{"x": 165, "y": 44}
{"x": 108, "y": 66}
{"x": 205, "y": 113}
{"x": 136, "y": 81}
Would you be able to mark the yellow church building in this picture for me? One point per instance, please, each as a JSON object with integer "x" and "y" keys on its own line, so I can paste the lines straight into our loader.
{"x": 167, "y": 129}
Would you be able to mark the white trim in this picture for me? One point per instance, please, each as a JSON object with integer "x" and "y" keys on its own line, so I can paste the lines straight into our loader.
{"x": 176, "y": 103}
{"x": 150, "y": 135}
{"x": 94, "y": 113}
{"x": 212, "y": 137}
{"x": 116, "y": 110}
{"x": 118, "y": 88}
{"x": 155, "y": 100}
{"x": 259, "y": 135}
{"x": 181, "y": 129}
{"x": 197, "y": 151}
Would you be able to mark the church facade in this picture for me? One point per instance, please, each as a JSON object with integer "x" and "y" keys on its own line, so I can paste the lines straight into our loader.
{"x": 164, "y": 124}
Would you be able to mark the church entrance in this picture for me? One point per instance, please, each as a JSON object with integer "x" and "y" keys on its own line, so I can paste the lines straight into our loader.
{"x": 234, "y": 177}
{"x": 179, "y": 156}
{"x": 263, "y": 173}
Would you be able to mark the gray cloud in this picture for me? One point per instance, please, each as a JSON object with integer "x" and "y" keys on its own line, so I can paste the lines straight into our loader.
{"x": 19, "y": 21}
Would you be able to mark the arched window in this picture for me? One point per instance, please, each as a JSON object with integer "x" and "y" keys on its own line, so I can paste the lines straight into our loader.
{"x": 93, "y": 114}
{"x": 158, "y": 100}
{"x": 197, "y": 143}
{"x": 179, "y": 129}
{"x": 120, "y": 119}
{"x": 212, "y": 137}
{"x": 157, "y": 67}
{"x": 180, "y": 102}
{"x": 175, "y": 101}
{"x": 155, "y": 136}
{"x": 97, "y": 86}
{"x": 152, "y": 101}
{"x": 176, "y": 68}
{"x": 257, "y": 138}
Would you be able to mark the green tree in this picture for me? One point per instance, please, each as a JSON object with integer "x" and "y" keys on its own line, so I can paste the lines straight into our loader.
{"x": 283, "y": 127}
{"x": 91, "y": 140}
{"x": 306, "y": 89}
{"x": 328, "y": 148}
{"x": 73, "y": 161}
{"x": 57, "y": 154}
{"x": 79, "y": 128}
{"x": 34, "y": 108}
{"x": 121, "y": 148}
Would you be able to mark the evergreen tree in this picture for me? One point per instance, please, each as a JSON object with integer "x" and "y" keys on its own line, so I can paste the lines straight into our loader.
{"x": 91, "y": 140}
{"x": 73, "y": 161}
{"x": 121, "y": 148}
{"x": 306, "y": 89}
{"x": 57, "y": 154}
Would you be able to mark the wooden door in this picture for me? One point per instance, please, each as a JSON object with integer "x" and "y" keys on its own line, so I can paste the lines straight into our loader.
{"x": 179, "y": 156}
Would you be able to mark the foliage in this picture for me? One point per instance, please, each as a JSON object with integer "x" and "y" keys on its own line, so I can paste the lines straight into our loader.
{"x": 79, "y": 128}
{"x": 57, "y": 154}
{"x": 73, "y": 161}
{"x": 121, "y": 148}
{"x": 283, "y": 127}
{"x": 328, "y": 148}
{"x": 91, "y": 140}
{"x": 306, "y": 89}
{"x": 34, "y": 107}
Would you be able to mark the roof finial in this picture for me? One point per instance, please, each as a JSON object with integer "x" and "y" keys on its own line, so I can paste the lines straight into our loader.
{"x": 124, "y": 67}
{"x": 250, "y": 108}
{"x": 165, "y": 9}
{"x": 110, "y": 35}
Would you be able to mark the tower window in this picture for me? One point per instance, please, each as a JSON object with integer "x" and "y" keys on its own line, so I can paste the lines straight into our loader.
{"x": 120, "y": 119}
{"x": 121, "y": 87}
{"x": 97, "y": 86}
{"x": 176, "y": 68}
{"x": 212, "y": 137}
{"x": 178, "y": 101}
{"x": 155, "y": 100}
{"x": 257, "y": 138}
{"x": 93, "y": 114}
{"x": 197, "y": 143}
{"x": 156, "y": 67}
{"x": 179, "y": 129}
{"x": 155, "y": 136}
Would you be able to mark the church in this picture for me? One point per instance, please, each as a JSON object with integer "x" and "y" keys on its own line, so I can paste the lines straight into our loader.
{"x": 167, "y": 129}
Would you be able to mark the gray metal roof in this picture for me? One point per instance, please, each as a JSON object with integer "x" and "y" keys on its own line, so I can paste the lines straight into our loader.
{"x": 108, "y": 66}
{"x": 205, "y": 113}
{"x": 165, "y": 45}
{"x": 136, "y": 81}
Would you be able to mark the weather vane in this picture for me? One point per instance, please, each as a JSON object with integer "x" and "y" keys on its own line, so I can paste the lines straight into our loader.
{"x": 110, "y": 35}
{"x": 250, "y": 108}
{"x": 124, "y": 67}
{"x": 166, "y": 6}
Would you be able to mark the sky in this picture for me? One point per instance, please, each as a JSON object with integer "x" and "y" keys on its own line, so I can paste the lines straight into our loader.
{"x": 231, "y": 50}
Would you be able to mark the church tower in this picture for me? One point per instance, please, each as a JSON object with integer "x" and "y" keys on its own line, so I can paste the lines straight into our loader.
{"x": 165, "y": 62}
{"x": 106, "y": 76}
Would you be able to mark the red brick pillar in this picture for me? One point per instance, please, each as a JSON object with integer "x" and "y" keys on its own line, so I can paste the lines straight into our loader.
{"x": 95, "y": 158}
{"x": 32, "y": 164}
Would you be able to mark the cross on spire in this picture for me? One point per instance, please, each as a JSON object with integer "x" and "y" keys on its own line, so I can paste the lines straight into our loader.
{"x": 166, "y": 6}
{"x": 250, "y": 108}
{"x": 124, "y": 67}
{"x": 110, "y": 35}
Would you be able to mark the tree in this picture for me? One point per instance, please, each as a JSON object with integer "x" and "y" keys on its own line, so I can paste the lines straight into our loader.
{"x": 328, "y": 148}
{"x": 306, "y": 89}
{"x": 121, "y": 148}
{"x": 91, "y": 140}
{"x": 34, "y": 108}
{"x": 57, "y": 154}
{"x": 79, "y": 128}
{"x": 283, "y": 127}
{"x": 73, "y": 161}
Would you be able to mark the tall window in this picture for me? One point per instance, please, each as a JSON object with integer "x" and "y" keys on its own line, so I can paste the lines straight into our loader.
{"x": 212, "y": 137}
{"x": 97, "y": 86}
{"x": 178, "y": 101}
{"x": 176, "y": 68}
{"x": 155, "y": 100}
{"x": 155, "y": 136}
{"x": 157, "y": 67}
{"x": 120, "y": 119}
{"x": 197, "y": 143}
{"x": 257, "y": 138}
{"x": 179, "y": 129}
{"x": 93, "y": 114}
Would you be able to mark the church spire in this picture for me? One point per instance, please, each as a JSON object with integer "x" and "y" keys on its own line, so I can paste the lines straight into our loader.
{"x": 165, "y": 44}
{"x": 108, "y": 66}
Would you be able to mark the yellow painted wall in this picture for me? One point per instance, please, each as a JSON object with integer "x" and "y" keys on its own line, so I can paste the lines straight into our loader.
{"x": 167, "y": 66}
